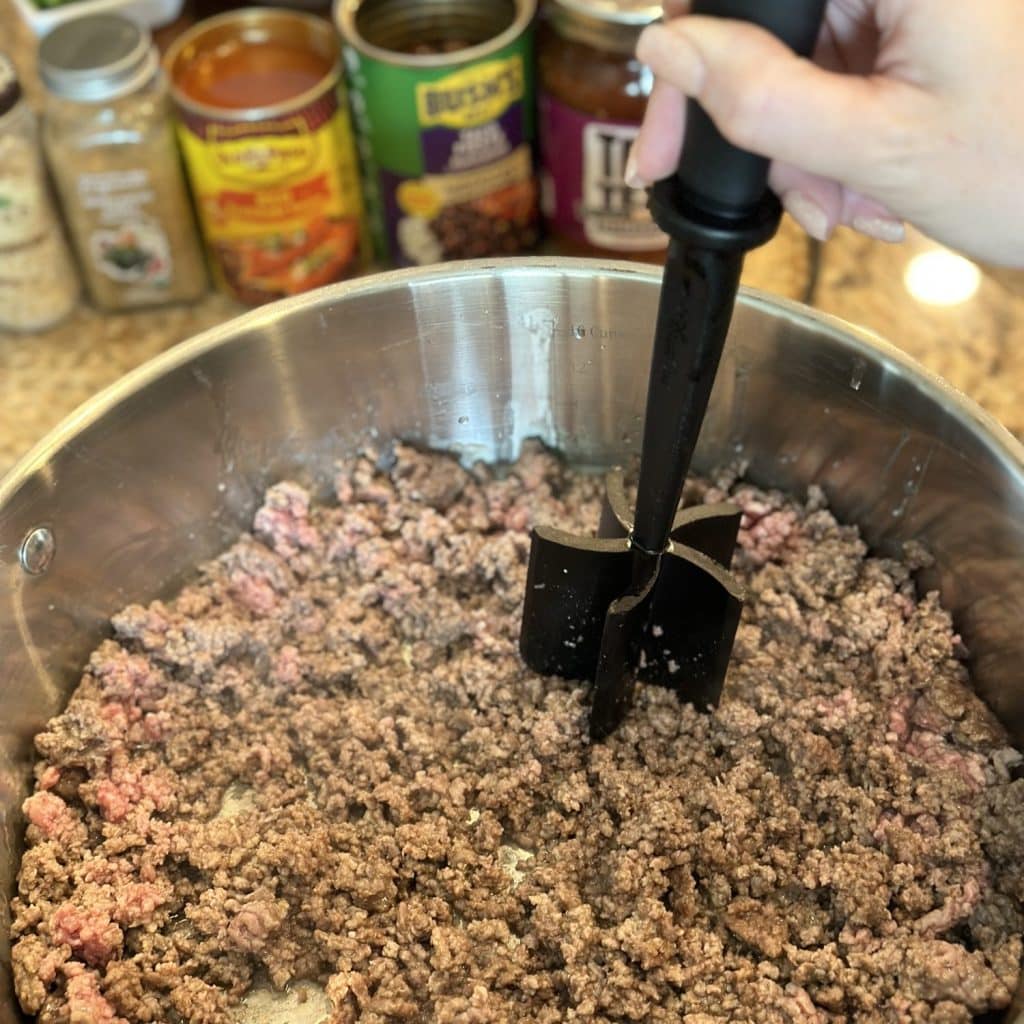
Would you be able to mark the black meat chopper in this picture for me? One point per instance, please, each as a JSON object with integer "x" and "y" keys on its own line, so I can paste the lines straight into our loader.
{"x": 651, "y": 596}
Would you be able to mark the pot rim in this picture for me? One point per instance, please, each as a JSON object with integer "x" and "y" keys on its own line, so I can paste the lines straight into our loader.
{"x": 858, "y": 340}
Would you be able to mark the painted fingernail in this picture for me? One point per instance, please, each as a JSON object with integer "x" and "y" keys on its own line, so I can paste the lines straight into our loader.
{"x": 808, "y": 214}
{"x": 883, "y": 228}
{"x": 632, "y": 175}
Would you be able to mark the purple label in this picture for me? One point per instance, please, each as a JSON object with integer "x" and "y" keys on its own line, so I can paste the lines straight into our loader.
{"x": 477, "y": 195}
{"x": 585, "y": 195}
{"x": 449, "y": 151}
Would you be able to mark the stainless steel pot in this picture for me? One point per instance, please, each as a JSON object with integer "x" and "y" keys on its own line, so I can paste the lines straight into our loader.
{"x": 164, "y": 469}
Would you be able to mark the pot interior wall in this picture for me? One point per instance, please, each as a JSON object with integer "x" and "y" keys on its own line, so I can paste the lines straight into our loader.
{"x": 165, "y": 469}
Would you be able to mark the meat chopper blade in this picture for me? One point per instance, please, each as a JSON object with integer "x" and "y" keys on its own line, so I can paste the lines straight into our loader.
{"x": 660, "y": 604}
{"x": 573, "y": 582}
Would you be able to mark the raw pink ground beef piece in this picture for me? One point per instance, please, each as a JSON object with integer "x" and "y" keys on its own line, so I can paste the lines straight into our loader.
{"x": 89, "y": 932}
{"x": 324, "y": 760}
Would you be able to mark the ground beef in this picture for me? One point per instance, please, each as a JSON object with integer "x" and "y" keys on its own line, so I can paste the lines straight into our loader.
{"x": 324, "y": 763}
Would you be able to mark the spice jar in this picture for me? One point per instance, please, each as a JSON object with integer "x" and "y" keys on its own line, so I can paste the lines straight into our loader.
{"x": 110, "y": 144}
{"x": 38, "y": 284}
{"x": 593, "y": 93}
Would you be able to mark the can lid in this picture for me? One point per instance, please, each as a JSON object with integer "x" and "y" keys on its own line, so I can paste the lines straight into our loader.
{"x": 379, "y": 29}
{"x": 604, "y": 24}
{"x": 10, "y": 87}
{"x": 97, "y": 57}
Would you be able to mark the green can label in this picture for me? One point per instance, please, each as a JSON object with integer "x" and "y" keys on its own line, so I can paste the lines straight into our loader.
{"x": 449, "y": 155}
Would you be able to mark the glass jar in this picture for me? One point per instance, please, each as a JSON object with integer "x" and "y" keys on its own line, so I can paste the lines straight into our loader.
{"x": 593, "y": 93}
{"x": 38, "y": 283}
{"x": 110, "y": 144}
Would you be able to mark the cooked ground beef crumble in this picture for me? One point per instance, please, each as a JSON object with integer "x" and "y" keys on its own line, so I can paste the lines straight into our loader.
{"x": 325, "y": 760}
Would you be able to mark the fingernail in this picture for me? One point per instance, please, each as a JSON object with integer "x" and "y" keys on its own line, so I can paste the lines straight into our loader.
{"x": 652, "y": 40}
{"x": 885, "y": 229}
{"x": 673, "y": 56}
{"x": 808, "y": 214}
{"x": 632, "y": 175}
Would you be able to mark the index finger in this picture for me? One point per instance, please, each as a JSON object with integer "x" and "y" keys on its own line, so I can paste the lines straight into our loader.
{"x": 676, "y": 8}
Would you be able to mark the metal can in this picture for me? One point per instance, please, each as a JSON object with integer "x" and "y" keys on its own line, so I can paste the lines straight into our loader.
{"x": 265, "y": 131}
{"x": 443, "y": 99}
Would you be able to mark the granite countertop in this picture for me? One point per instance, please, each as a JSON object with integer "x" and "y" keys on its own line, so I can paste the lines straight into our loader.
{"x": 977, "y": 345}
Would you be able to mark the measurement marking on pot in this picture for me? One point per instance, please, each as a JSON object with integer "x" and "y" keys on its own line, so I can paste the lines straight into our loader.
{"x": 541, "y": 324}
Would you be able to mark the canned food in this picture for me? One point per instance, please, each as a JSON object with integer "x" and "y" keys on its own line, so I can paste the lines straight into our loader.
{"x": 442, "y": 92}
{"x": 593, "y": 93}
{"x": 267, "y": 140}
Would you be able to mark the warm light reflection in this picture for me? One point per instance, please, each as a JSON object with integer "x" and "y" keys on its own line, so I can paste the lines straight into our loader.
{"x": 939, "y": 277}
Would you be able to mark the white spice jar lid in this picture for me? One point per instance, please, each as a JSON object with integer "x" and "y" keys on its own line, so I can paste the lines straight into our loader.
{"x": 98, "y": 57}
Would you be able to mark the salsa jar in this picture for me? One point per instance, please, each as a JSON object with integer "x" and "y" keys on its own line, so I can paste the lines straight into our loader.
{"x": 264, "y": 127}
{"x": 593, "y": 93}
{"x": 110, "y": 145}
{"x": 443, "y": 98}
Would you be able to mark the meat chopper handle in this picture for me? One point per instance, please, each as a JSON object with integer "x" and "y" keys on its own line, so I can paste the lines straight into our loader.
{"x": 715, "y": 176}
{"x": 716, "y": 207}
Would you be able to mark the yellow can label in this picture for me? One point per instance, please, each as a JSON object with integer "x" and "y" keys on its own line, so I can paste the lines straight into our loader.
{"x": 473, "y": 96}
{"x": 419, "y": 199}
{"x": 278, "y": 200}
{"x": 285, "y": 152}
{"x": 502, "y": 178}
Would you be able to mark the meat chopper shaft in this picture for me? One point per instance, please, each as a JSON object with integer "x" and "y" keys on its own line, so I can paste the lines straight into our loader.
{"x": 714, "y": 209}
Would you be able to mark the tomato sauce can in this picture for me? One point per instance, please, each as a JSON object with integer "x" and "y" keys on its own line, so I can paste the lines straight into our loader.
{"x": 266, "y": 136}
{"x": 443, "y": 99}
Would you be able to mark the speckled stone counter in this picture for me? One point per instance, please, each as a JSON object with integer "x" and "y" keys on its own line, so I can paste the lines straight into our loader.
{"x": 978, "y": 344}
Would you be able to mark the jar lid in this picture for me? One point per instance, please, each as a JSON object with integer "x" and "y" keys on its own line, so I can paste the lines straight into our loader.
{"x": 604, "y": 24}
{"x": 622, "y": 12}
{"x": 98, "y": 57}
{"x": 10, "y": 87}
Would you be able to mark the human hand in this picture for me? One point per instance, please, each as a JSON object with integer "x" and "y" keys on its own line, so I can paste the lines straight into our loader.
{"x": 910, "y": 111}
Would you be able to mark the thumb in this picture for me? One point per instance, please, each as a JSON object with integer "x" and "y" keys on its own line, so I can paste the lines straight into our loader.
{"x": 763, "y": 98}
